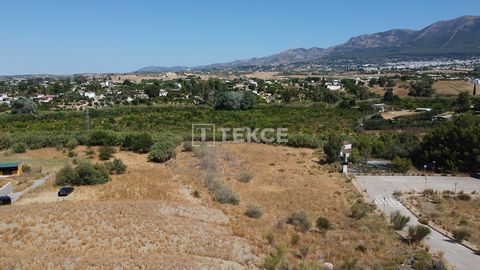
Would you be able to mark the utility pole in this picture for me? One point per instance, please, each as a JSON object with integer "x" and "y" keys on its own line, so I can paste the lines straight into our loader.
{"x": 425, "y": 173}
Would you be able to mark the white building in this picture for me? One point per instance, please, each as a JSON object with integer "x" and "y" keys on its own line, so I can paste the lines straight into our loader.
{"x": 423, "y": 109}
{"x": 345, "y": 151}
{"x": 163, "y": 93}
{"x": 89, "y": 94}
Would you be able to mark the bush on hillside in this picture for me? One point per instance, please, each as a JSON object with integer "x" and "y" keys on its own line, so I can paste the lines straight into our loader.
{"x": 220, "y": 192}
{"x": 300, "y": 220}
{"x": 418, "y": 232}
{"x": 162, "y": 151}
{"x": 19, "y": 147}
{"x": 83, "y": 174}
{"x": 323, "y": 223}
{"x": 140, "y": 143}
{"x": 331, "y": 149}
{"x": 461, "y": 234}
{"x": 254, "y": 211}
{"x": 187, "y": 146}
{"x": 235, "y": 100}
{"x": 401, "y": 165}
{"x": 358, "y": 210}
{"x": 71, "y": 144}
{"x": 101, "y": 137}
{"x": 116, "y": 166}
{"x": 105, "y": 152}
{"x": 23, "y": 106}
{"x": 398, "y": 220}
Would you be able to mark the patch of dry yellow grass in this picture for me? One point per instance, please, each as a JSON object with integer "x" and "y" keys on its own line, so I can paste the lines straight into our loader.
{"x": 451, "y": 213}
{"x": 287, "y": 180}
{"x": 452, "y": 87}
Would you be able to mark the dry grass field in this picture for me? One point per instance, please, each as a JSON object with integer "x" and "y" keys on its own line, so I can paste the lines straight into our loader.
{"x": 149, "y": 219}
{"x": 290, "y": 179}
{"x": 401, "y": 89}
{"x": 451, "y": 213}
{"x": 393, "y": 114}
{"x": 441, "y": 87}
{"x": 40, "y": 161}
{"x": 452, "y": 87}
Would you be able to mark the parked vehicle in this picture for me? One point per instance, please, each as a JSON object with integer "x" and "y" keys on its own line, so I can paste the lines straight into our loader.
{"x": 5, "y": 200}
{"x": 475, "y": 175}
{"x": 65, "y": 191}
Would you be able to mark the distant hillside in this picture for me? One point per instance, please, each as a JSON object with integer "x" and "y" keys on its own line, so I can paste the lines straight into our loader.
{"x": 460, "y": 36}
{"x": 154, "y": 69}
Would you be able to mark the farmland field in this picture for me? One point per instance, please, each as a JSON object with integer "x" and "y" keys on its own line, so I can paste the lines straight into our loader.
{"x": 149, "y": 216}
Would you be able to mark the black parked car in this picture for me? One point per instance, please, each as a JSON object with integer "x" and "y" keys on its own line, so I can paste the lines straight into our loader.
{"x": 475, "y": 175}
{"x": 65, "y": 191}
{"x": 5, "y": 200}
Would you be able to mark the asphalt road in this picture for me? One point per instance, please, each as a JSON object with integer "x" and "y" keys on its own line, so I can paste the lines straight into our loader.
{"x": 379, "y": 189}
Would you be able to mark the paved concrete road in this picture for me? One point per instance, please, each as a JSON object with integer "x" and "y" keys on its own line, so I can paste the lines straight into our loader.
{"x": 16, "y": 195}
{"x": 380, "y": 188}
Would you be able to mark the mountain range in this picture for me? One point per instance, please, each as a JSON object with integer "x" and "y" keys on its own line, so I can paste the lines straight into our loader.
{"x": 457, "y": 37}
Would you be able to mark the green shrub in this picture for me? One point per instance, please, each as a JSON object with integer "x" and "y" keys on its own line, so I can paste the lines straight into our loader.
{"x": 89, "y": 152}
{"x": 19, "y": 147}
{"x": 398, "y": 220}
{"x": 300, "y": 220}
{"x": 331, "y": 149}
{"x": 116, "y": 166}
{"x": 140, "y": 143}
{"x": 26, "y": 168}
{"x": 276, "y": 260}
{"x": 358, "y": 210}
{"x": 187, "y": 146}
{"x": 162, "y": 151}
{"x": 463, "y": 221}
{"x": 428, "y": 192}
{"x": 196, "y": 193}
{"x": 418, "y": 232}
{"x": 323, "y": 223}
{"x": 71, "y": 144}
{"x": 254, "y": 211}
{"x": 234, "y": 100}
{"x": 220, "y": 192}
{"x": 303, "y": 251}
{"x": 67, "y": 175}
{"x": 361, "y": 248}
{"x": 101, "y": 137}
{"x": 401, "y": 165}
{"x": 461, "y": 234}
{"x": 295, "y": 239}
{"x": 23, "y": 106}
{"x": 464, "y": 197}
{"x": 270, "y": 237}
{"x": 303, "y": 141}
{"x": 71, "y": 154}
{"x": 83, "y": 174}
{"x": 105, "y": 152}
{"x": 423, "y": 220}
{"x": 245, "y": 177}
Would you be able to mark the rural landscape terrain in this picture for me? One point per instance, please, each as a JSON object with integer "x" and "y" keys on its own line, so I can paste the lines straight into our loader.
{"x": 378, "y": 165}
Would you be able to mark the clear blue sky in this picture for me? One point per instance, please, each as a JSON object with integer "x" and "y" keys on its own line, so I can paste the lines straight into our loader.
{"x": 69, "y": 36}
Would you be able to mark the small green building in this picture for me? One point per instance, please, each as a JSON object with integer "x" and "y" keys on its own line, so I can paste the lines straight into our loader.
{"x": 10, "y": 168}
